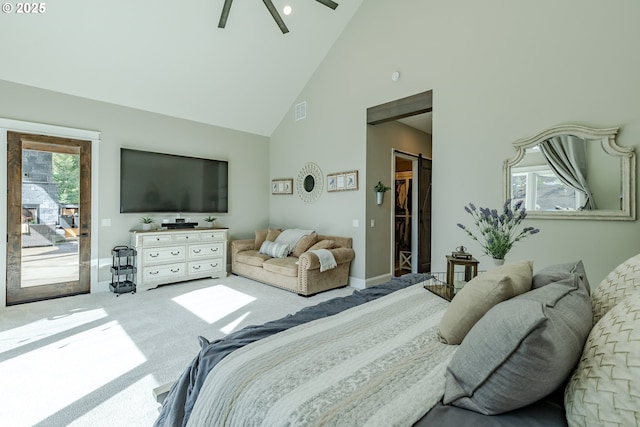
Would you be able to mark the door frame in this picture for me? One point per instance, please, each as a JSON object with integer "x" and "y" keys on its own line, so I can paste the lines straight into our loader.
{"x": 413, "y": 158}
{"x": 61, "y": 132}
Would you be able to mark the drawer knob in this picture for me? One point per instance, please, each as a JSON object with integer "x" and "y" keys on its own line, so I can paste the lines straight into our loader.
{"x": 197, "y": 251}
{"x": 175, "y": 270}
{"x": 175, "y": 253}
{"x": 154, "y": 255}
{"x": 151, "y": 273}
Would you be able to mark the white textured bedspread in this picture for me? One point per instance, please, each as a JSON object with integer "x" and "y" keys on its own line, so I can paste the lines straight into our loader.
{"x": 379, "y": 363}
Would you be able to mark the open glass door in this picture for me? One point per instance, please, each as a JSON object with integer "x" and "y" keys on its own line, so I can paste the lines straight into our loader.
{"x": 48, "y": 217}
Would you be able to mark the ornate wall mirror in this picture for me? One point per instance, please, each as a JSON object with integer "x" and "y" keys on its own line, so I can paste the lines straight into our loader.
{"x": 309, "y": 182}
{"x": 573, "y": 171}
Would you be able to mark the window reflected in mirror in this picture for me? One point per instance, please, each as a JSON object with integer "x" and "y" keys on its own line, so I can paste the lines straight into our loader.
{"x": 573, "y": 171}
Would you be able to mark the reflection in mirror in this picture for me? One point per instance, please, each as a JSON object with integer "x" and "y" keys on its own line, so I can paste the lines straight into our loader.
{"x": 572, "y": 171}
{"x": 309, "y": 183}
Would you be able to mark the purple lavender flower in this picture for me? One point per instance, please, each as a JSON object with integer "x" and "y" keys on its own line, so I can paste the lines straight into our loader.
{"x": 498, "y": 232}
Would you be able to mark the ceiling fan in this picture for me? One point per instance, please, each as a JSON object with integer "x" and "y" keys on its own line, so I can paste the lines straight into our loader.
{"x": 272, "y": 9}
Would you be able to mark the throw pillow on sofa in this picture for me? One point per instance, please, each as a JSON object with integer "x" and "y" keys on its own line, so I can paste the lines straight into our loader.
{"x": 480, "y": 295}
{"x": 521, "y": 350}
{"x": 304, "y": 244}
{"x": 603, "y": 389}
{"x": 266, "y": 234}
{"x": 323, "y": 244}
{"x": 621, "y": 282}
{"x": 274, "y": 250}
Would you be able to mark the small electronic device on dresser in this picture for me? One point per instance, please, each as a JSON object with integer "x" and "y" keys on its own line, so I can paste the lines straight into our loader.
{"x": 461, "y": 253}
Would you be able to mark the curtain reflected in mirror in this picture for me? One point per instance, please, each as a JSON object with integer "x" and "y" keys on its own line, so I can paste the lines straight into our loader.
{"x": 573, "y": 171}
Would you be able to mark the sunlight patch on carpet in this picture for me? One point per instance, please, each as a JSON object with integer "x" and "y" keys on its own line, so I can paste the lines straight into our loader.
{"x": 66, "y": 371}
{"x": 213, "y": 303}
{"x": 45, "y": 328}
{"x": 233, "y": 325}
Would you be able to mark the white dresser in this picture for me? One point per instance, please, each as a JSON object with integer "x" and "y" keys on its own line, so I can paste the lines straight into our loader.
{"x": 167, "y": 256}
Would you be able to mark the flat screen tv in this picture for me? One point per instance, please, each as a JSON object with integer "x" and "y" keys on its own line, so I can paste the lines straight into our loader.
{"x": 157, "y": 182}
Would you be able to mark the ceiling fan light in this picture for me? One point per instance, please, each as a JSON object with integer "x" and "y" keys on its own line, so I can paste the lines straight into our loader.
{"x": 287, "y": 10}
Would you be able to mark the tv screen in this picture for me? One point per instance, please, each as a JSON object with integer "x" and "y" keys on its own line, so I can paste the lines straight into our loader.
{"x": 157, "y": 182}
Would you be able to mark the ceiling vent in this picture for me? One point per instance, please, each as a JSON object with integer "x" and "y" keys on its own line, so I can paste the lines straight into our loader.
{"x": 301, "y": 110}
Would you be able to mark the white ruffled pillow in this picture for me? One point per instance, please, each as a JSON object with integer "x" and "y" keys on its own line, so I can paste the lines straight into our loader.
{"x": 605, "y": 388}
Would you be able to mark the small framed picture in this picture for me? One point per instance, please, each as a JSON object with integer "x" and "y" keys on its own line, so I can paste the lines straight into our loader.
{"x": 352, "y": 180}
{"x": 331, "y": 183}
{"x": 282, "y": 186}
{"x": 342, "y": 181}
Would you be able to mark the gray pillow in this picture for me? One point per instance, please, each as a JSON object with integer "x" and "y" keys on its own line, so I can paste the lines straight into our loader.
{"x": 521, "y": 350}
{"x": 557, "y": 272}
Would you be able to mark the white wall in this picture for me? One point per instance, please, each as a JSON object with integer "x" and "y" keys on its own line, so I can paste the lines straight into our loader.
{"x": 127, "y": 127}
{"x": 500, "y": 71}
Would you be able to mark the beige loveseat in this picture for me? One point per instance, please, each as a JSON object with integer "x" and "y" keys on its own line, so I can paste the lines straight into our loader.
{"x": 298, "y": 272}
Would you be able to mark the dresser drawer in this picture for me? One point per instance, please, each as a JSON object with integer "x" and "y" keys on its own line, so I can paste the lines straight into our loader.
{"x": 150, "y": 240}
{"x": 213, "y": 235}
{"x": 164, "y": 254}
{"x": 207, "y": 250}
{"x": 163, "y": 273}
{"x": 185, "y": 237}
{"x": 206, "y": 267}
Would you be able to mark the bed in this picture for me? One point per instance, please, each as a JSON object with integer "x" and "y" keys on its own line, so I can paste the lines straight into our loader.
{"x": 378, "y": 357}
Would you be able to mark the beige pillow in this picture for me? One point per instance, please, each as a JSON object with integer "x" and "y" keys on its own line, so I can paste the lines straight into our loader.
{"x": 261, "y": 236}
{"x": 273, "y": 233}
{"x": 304, "y": 244}
{"x": 323, "y": 244}
{"x": 480, "y": 295}
{"x": 603, "y": 389}
{"x": 621, "y": 282}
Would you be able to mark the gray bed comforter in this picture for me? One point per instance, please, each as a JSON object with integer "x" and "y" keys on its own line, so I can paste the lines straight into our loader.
{"x": 179, "y": 403}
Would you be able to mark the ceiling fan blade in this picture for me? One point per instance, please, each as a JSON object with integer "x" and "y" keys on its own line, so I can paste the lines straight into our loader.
{"x": 225, "y": 13}
{"x": 276, "y": 16}
{"x": 328, "y": 3}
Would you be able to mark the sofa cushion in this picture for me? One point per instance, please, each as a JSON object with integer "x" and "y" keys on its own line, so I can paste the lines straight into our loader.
{"x": 480, "y": 295}
{"x": 604, "y": 388}
{"x": 285, "y": 266}
{"x": 273, "y": 249}
{"x": 252, "y": 257}
{"x": 521, "y": 350}
{"x": 619, "y": 283}
{"x": 323, "y": 244}
{"x": 304, "y": 244}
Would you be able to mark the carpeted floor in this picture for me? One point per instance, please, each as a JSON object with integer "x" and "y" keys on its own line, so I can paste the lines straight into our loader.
{"x": 93, "y": 360}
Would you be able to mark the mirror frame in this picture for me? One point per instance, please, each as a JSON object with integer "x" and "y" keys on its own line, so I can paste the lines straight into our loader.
{"x": 315, "y": 172}
{"x": 607, "y": 138}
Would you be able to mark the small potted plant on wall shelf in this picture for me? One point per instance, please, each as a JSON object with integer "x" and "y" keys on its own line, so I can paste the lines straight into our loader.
{"x": 380, "y": 189}
{"x": 146, "y": 221}
{"x": 209, "y": 220}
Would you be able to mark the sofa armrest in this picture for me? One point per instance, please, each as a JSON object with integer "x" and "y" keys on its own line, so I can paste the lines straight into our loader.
{"x": 242, "y": 245}
{"x": 310, "y": 261}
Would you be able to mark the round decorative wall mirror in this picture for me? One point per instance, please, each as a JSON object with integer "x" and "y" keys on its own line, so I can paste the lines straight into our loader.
{"x": 309, "y": 182}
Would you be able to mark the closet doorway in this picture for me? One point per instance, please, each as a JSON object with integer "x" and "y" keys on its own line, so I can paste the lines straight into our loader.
{"x": 407, "y": 124}
{"x": 412, "y": 213}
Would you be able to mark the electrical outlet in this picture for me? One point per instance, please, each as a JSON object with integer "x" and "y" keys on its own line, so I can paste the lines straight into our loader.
{"x": 356, "y": 223}
{"x": 373, "y": 223}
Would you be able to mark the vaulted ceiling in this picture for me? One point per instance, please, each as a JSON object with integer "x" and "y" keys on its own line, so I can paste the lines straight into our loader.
{"x": 170, "y": 57}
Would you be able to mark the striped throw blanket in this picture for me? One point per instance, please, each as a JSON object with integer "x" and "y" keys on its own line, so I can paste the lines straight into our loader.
{"x": 379, "y": 363}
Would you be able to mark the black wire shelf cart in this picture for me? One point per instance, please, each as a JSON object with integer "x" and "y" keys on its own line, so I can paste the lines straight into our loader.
{"x": 123, "y": 270}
